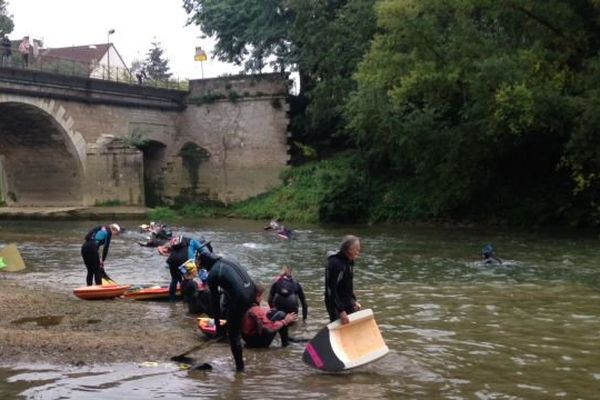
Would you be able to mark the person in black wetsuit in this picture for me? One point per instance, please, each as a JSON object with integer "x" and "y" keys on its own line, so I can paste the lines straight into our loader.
{"x": 339, "y": 286}
{"x": 240, "y": 291}
{"x": 286, "y": 292}
{"x": 488, "y": 255}
{"x": 98, "y": 236}
{"x": 159, "y": 235}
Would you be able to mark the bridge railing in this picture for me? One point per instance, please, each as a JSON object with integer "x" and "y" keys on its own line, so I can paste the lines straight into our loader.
{"x": 64, "y": 66}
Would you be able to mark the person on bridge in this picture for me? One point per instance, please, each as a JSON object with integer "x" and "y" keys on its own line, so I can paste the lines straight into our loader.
{"x": 98, "y": 236}
{"x": 6, "y": 50}
{"x": 24, "y": 48}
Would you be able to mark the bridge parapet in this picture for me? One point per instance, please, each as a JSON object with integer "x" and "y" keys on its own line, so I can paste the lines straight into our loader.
{"x": 88, "y": 90}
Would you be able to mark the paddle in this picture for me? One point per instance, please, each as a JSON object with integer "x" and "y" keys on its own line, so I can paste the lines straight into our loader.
{"x": 11, "y": 259}
{"x": 106, "y": 280}
{"x": 188, "y": 360}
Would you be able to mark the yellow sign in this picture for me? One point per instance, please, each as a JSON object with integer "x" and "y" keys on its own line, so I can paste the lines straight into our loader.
{"x": 200, "y": 55}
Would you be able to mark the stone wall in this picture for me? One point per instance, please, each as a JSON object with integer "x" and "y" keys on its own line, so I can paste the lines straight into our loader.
{"x": 245, "y": 135}
{"x": 103, "y": 139}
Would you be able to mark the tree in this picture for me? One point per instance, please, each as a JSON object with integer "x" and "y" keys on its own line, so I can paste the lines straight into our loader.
{"x": 322, "y": 40}
{"x": 483, "y": 105}
{"x": 6, "y": 23}
{"x": 248, "y": 32}
{"x": 155, "y": 66}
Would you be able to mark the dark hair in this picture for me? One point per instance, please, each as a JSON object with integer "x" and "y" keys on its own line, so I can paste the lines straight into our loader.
{"x": 260, "y": 289}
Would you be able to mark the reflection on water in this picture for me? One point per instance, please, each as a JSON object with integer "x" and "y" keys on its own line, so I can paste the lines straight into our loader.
{"x": 457, "y": 329}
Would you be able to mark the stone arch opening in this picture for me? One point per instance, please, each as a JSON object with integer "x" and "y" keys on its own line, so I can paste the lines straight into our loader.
{"x": 39, "y": 165}
{"x": 154, "y": 171}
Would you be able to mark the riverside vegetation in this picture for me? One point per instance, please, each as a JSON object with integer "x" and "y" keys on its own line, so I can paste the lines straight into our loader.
{"x": 460, "y": 110}
{"x": 470, "y": 110}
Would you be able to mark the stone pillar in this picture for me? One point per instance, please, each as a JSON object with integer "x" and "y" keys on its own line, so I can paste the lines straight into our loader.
{"x": 114, "y": 173}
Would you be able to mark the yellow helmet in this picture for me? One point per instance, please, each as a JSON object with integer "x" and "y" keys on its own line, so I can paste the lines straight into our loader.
{"x": 189, "y": 268}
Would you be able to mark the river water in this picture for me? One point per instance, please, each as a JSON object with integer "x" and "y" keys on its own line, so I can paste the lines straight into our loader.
{"x": 456, "y": 329}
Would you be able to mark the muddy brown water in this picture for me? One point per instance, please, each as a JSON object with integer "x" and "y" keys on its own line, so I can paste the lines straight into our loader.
{"x": 457, "y": 329}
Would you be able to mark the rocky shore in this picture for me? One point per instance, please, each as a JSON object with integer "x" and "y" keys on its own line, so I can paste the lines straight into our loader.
{"x": 38, "y": 324}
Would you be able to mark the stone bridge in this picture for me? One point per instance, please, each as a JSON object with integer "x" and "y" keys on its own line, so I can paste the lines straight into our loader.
{"x": 70, "y": 141}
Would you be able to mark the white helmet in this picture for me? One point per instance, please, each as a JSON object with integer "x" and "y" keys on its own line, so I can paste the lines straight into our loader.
{"x": 115, "y": 227}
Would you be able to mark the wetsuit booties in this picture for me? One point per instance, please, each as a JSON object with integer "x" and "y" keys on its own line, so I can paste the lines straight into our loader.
{"x": 239, "y": 358}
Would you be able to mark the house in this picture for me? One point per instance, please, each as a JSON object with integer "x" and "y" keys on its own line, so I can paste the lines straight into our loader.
{"x": 101, "y": 61}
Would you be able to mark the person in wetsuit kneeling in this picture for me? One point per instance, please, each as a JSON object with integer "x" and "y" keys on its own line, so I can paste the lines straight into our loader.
{"x": 261, "y": 324}
{"x": 194, "y": 289}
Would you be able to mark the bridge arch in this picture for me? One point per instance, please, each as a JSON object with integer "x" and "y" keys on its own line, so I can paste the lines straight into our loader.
{"x": 42, "y": 160}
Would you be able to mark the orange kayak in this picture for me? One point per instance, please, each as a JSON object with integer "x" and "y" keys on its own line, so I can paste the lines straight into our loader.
{"x": 95, "y": 292}
{"x": 207, "y": 326}
{"x": 151, "y": 293}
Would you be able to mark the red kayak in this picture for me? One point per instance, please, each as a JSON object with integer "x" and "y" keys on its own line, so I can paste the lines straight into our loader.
{"x": 96, "y": 292}
{"x": 207, "y": 326}
{"x": 151, "y": 293}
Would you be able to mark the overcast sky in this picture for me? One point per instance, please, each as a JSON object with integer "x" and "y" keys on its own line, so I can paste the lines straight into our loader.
{"x": 137, "y": 23}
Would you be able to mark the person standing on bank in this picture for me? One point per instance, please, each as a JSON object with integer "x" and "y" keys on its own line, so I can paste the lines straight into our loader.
{"x": 339, "y": 274}
{"x": 98, "y": 236}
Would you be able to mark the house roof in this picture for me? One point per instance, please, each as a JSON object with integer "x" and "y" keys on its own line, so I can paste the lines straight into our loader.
{"x": 87, "y": 54}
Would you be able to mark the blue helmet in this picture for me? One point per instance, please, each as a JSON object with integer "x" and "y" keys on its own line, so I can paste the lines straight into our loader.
{"x": 487, "y": 250}
{"x": 203, "y": 275}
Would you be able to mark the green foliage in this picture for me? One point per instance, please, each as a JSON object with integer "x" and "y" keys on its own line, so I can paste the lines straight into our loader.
{"x": 233, "y": 96}
{"x": 324, "y": 41}
{"x": 200, "y": 211}
{"x": 331, "y": 190}
{"x": 455, "y": 109}
{"x": 459, "y": 100}
{"x": 206, "y": 98}
{"x": 332, "y": 38}
{"x": 108, "y": 203}
{"x": 296, "y": 200}
{"x": 247, "y": 31}
{"x": 162, "y": 214}
{"x": 156, "y": 67}
{"x": 6, "y": 22}
{"x": 137, "y": 139}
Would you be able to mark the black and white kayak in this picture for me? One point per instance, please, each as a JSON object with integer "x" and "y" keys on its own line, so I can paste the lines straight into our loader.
{"x": 338, "y": 347}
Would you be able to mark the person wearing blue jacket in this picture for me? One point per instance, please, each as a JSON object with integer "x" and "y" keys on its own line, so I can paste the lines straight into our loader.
{"x": 98, "y": 236}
